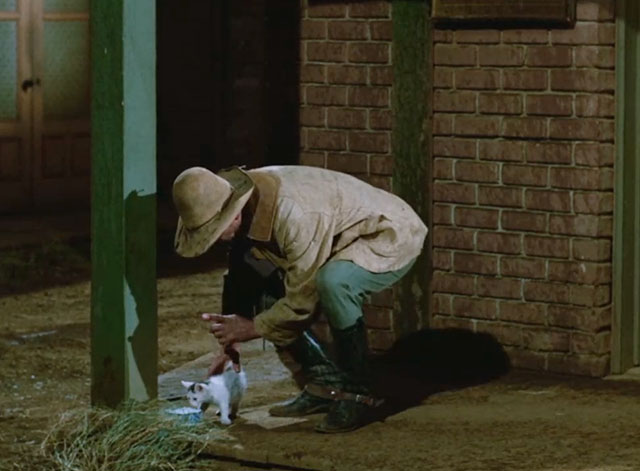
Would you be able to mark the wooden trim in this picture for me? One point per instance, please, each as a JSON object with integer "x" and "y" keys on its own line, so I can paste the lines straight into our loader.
{"x": 65, "y": 16}
{"x": 9, "y": 15}
{"x": 411, "y": 142}
{"x": 626, "y": 235}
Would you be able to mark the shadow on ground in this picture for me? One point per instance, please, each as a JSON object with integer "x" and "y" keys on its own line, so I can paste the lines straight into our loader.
{"x": 431, "y": 361}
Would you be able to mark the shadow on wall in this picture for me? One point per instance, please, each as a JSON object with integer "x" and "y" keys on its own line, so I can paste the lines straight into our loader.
{"x": 435, "y": 360}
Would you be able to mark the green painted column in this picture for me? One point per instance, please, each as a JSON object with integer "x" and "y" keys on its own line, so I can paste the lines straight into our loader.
{"x": 411, "y": 141}
{"x": 123, "y": 120}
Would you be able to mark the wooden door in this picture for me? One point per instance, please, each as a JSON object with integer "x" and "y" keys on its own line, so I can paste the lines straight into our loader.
{"x": 15, "y": 107}
{"x": 44, "y": 105}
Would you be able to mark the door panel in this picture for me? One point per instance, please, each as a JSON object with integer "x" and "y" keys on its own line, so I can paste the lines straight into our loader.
{"x": 15, "y": 107}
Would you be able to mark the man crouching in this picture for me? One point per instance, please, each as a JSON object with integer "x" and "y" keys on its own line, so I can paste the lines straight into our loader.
{"x": 335, "y": 238}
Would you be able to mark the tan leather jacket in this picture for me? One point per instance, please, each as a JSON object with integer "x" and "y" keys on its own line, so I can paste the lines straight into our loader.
{"x": 306, "y": 216}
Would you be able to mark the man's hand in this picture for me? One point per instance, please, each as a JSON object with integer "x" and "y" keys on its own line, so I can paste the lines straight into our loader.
{"x": 230, "y": 329}
{"x": 230, "y": 354}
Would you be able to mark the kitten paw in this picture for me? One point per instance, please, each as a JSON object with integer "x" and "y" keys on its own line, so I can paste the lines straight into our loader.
{"x": 225, "y": 421}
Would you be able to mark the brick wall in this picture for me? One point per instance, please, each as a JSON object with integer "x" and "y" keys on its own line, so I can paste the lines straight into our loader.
{"x": 523, "y": 155}
{"x": 345, "y": 99}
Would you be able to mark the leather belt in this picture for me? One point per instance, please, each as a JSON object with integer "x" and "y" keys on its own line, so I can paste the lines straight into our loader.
{"x": 326, "y": 392}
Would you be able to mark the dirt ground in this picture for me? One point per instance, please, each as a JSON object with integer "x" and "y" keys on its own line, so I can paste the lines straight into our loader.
{"x": 520, "y": 421}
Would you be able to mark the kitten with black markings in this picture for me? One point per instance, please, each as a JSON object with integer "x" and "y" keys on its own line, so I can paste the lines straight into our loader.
{"x": 225, "y": 390}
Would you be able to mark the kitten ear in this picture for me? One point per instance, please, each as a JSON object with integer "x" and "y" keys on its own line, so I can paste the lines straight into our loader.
{"x": 199, "y": 387}
{"x": 187, "y": 384}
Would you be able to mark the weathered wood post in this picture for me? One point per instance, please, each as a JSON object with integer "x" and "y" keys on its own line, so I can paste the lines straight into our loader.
{"x": 123, "y": 126}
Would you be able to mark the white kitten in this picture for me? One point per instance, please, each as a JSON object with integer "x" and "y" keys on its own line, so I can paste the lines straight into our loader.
{"x": 224, "y": 390}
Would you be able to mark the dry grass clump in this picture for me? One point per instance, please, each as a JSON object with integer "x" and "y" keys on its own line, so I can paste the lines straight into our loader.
{"x": 136, "y": 437}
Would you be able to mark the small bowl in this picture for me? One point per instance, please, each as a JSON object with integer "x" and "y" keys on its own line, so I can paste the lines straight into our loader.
{"x": 190, "y": 415}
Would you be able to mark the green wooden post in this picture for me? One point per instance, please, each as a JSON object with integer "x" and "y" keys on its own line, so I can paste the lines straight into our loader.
{"x": 626, "y": 235}
{"x": 411, "y": 137}
{"x": 123, "y": 120}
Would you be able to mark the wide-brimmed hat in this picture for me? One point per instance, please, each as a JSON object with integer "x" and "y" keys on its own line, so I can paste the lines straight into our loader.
{"x": 207, "y": 203}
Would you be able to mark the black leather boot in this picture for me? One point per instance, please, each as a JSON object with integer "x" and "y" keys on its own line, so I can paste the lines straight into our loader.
{"x": 318, "y": 371}
{"x": 353, "y": 403}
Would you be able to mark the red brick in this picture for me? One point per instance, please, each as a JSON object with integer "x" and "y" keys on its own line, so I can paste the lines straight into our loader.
{"x": 442, "y": 78}
{"x": 524, "y": 221}
{"x": 474, "y": 79}
{"x": 381, "y": 30}
{"x": 443, "y": 36}
{"x": 546, "y": 292}
{"x": 452, "y": 238}
{"x": 549, "y": 153}
{"x": 500, "y": 196}
{"x": 474, "y": 307}
{"x": 326, "y": 52}
{"x": 591, "y": 250}
{"x": 525, "y": 127}
{"x": 313, "y": 29}
{"x": 369, "y": 96}
{"x": 312, "y": 116}
{"x": 583, "y": 80}
{"x": 522, "y": 313}
{"x": 310, "y": 73}
{"x": 442, "y": 214}
{"x": 382, "y": 298}
{"x": 595, "y": 106}
{"x": 600, "y": 57}
{"x": 506, "y": 334}
{"x": 444, "y": 54}
{"x": 580, "y": 225}
{"x": 379, "y": 339}
{"x": 580, "y": 272}
{"x": 525, "y": 79}
{"x": 377, "y": 317}
{"x": 371, "y": 9}
{"x": 549, "y": 56}
{"x": 501, "y": 150}
{"x": 591, "y": 343}
{"x": 526, "y": 359}
{"x": 380, "y": 119}
{"x": 462, "y": 102}
{"x": 454, "y": 192}
{"x": 499, "y": 242}
{"x": 557, "y": 247}
{"x": 374, "y": 53}
{"x": 476, "y": 126}
{"x": 347, "y": 74}
{"x": 348, "y": 163}
{"x": 347, "y": 118}
{"x": 441, "y": 260}
{"x": 476, "y": 172}
{"x": 525, "y": 36}
{"x": 590, "y": 296}
{"x": 442, "y": 304}
{"x": 582, "y": 129}
{"x": 550, "y": 105}
{"x": 452, "y": 283}
{"x": 499, "y": 287}
{"x": 443, "y": 169}
{"x": 527, "y": 175}
{"x": 471, "y": 263}
{"x": 545, "y": 340}
{"x": 499, "y": 103}
{"x": 380, "y": 75}
{"x": 326, "y": 10}
{"x": 581, "y": 318}
{"x": 381, "y": 164}
{"x": 453, "y": 147}
{"x": 329, "y": 140}
{"x": 478, "y": 36}
{"x": 522, "y": 267}
{"x": 548, "y": 200}
{"x": 587, "y": 365}
{"x": 441, "y": 322}
{"x": 593, "y": 203}
{"x": 348, "y": 30}
{"x": 379, "y": 181}
{"x": 595, "y": 11}
{"x": 326, "y": 96}
{"x": 595, "y": 155}
{"x": 377, "y": 142}
{"x": 470, "y": 217}
{"x": 312, "y": 159}
{"x": 501, "y": 56}
{"x": 585, "y": 33}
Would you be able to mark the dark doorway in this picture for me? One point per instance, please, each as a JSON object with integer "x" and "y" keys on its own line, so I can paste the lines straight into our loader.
{"x": 227, "y": 85}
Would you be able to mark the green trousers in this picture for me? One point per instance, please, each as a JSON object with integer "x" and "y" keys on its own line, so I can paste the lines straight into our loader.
{"x": 343, "y": 287}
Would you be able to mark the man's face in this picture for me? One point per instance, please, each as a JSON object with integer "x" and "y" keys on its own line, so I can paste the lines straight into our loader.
{"x": 230, "y": 232}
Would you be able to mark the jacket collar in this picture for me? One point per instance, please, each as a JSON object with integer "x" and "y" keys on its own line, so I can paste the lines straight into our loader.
{"x": 263, "y": 205}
